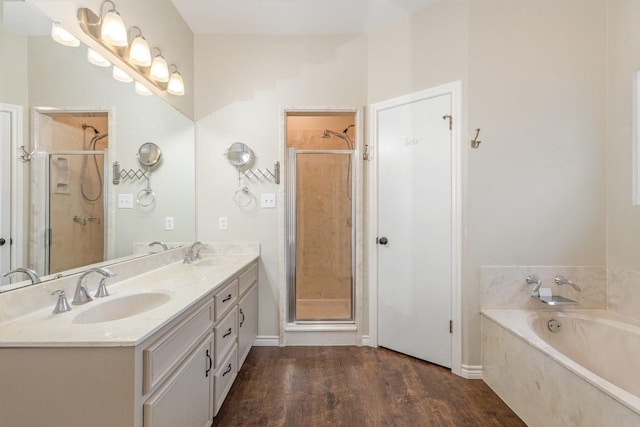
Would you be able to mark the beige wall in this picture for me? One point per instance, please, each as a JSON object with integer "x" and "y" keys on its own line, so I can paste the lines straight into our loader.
{"x": 536, "y": 187}
{"x": 623, "y": 219}
{"x": 243, "y": 82}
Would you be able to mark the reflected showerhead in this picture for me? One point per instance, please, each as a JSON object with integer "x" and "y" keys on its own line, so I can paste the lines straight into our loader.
{"x": 347, "y": 128}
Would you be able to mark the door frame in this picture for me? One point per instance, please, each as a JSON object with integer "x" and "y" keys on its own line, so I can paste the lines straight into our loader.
{"x": 17, "y": 197}
{"x": 322, "y": 333}
{"x": 455, "y": 90}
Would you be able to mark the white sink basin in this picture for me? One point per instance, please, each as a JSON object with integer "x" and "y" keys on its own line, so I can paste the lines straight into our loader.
{"x": 213, "y": 261}
{"x": 121, "y": 307}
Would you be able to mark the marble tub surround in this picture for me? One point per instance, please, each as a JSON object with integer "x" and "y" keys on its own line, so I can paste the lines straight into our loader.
{"x": 34, "y": 299}
{"x": 542, "y": 385}
{"x": 624, "y": 292}
{"x": 505, "y": 287}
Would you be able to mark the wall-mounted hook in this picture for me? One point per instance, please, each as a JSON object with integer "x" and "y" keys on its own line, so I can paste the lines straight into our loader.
{"x": 25, "y": 156}
{"x": 475, "y": 143}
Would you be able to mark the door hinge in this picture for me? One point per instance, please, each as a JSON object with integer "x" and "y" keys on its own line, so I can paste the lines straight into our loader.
{"x": 450, "y": 326}
{"x": 450, "y": 118}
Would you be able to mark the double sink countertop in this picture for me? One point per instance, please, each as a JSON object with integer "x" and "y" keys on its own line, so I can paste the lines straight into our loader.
{"x": 139, "y": 306}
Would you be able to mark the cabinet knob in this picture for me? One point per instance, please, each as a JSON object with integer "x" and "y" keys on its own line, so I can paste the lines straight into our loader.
{"x": 2, "y": 241}
{"x": 383, "y": 241}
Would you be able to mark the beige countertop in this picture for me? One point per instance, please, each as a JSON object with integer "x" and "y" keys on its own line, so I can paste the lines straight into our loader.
{"x": 185, "y": 284}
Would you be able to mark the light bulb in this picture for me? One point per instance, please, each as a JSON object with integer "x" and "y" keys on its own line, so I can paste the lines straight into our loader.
{"x": 62, "y": 36}
{"x": 120, "y": 75}
{"x": 139, "y": 52}
{"x": 159, "y": 69}
{"x": 142, "y": 90}
{"x": 96, "y": 59}
{"x": 176, "y": 84}
{"x": 113, "y": 30}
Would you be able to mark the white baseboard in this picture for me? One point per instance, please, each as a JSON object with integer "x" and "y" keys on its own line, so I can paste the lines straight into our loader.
{"x": 471, "y": 372}
{"x": 267, "y": 341}
{"x": 366, "y": 341}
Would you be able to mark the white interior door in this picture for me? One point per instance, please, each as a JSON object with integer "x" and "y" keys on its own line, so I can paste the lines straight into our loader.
{"x": 415, "y": 229}
{"x": 5, "y": 193}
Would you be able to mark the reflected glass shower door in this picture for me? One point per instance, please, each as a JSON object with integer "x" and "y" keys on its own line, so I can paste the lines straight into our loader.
{"x": 76, "y": 210}
{"x": 324, "y": 232}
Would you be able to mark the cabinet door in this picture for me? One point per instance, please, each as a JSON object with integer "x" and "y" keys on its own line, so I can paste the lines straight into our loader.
{"x": 247, "y": 323}
{"x": 185, "y": 399}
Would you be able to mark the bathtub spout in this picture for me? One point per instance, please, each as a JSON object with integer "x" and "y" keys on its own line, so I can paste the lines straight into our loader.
{"x": 561, "y": 280}
{"x": 531, "y": 279}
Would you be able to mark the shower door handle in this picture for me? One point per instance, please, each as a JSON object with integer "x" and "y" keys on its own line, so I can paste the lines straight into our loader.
{"x": 382, "y": 241}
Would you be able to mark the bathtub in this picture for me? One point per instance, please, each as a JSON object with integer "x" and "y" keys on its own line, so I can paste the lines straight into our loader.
{"x": 587, "y": 373}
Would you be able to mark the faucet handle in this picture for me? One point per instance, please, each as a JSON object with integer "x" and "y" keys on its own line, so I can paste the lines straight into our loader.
{"x": 62, "y": 305}
{"x": 102, "y": 289}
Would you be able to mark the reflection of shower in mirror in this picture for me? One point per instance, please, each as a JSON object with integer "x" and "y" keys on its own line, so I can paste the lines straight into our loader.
{"x": 91, "y": 146}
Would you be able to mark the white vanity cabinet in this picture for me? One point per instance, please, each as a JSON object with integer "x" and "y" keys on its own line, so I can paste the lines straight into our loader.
{"x": 247, "y": 311}
{"x": 177, "y": 375}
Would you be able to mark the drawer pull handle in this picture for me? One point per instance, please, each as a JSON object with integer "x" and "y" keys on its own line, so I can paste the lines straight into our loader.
{"x": 227, "y": 371}
{"x": 227, "y": 298}
{"x": 227, "y": 334}
{"x": 242, "y": 321}
{"x": 206, "y": 374}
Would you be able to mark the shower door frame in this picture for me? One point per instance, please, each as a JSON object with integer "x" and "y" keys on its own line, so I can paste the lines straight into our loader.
{"x": 325, "y": 332}
{"x": 292, "y": 228}
{"x": 38, "y": 180}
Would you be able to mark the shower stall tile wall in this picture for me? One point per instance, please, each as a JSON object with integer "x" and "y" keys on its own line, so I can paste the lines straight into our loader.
{"x": 504, "y": 287}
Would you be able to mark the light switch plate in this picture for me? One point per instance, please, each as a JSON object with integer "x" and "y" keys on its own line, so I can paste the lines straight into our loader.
{"x": 168, "y": 223}
{"x": 268, "y": 200}
{"x": 125, "y": 201}
{"x": 223, "y": 223}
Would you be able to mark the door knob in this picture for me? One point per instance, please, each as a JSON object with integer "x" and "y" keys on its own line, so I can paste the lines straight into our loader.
{"x": 383, "y": 241}
{"x": 2, "y": 241}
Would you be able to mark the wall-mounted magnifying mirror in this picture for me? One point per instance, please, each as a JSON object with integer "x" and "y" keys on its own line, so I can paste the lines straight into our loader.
{"x": 238, "y": 154}
{"x": 149, "y": 154}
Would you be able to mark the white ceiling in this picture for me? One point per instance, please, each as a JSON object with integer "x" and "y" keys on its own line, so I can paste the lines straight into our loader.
{"x": 294, "y": 16}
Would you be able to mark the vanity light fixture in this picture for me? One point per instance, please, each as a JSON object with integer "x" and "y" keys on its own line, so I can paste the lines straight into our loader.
{"x": 159, "y": 69}
{"x": 62, "y": 36}
{"x": 132, "y": 58}
{"x": 96, "y": 59}
{"x": 112, "y": 28}
{"x": 142, "y": 90}
{"x": 121, "y": 76}
{"x": 176, "y": 84}
{"x": 139, "y": 52}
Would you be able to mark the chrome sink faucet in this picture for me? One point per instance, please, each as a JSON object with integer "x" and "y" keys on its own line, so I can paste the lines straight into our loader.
{"x": 163, "y": 245}
{"x": 81, "y": 295}
{"x": 193, "y": 253}
{"x": 32, "y": 274}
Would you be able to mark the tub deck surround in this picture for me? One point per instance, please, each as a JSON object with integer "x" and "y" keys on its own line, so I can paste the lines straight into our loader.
{"x": 623, "y": 292}
{"x": 505, "y": 287}
{"x": 531, "y": 373}
{"x": 185, "y": 283}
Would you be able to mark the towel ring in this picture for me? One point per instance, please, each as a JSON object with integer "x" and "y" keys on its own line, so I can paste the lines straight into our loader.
{"x": 146, "y": 197}
{"x": 238, "y": 195}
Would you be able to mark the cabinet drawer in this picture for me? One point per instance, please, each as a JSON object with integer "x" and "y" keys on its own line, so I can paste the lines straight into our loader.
{"x": 185, "y": 398}
{"x": 161, "y": 358}
{"x": 224, "y": 379}
{"x": 226, "y": 298}
{"x": 225, "y": 335}
{"x": 247, "y": 278}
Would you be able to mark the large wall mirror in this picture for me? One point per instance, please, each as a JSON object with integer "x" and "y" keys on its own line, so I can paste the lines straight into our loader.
{"x": 74, "y": 121}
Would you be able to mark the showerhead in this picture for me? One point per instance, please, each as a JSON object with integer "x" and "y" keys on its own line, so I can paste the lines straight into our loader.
{"x": 347, "y": 128}
{"x": 85, "y": 126}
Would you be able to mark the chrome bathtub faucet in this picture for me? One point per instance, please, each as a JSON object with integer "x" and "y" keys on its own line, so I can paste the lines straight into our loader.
{"x": 561, "y": 280}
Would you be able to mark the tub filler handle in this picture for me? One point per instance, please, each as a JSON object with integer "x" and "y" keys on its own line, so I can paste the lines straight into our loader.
{"x": 561, "y": 280}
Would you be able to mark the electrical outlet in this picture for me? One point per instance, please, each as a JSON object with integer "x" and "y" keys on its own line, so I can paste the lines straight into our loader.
{"x": 125, "y": 201}
{"x": 223, "y": 223}
{"x": 168, "y": 223}
{"x": 268, "y": 200}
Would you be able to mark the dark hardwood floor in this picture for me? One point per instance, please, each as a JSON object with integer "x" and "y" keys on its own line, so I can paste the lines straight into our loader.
{"x": 355, "y": 386}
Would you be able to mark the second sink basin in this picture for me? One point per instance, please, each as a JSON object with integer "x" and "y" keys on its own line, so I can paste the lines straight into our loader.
{"x": 122, "y": 307}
